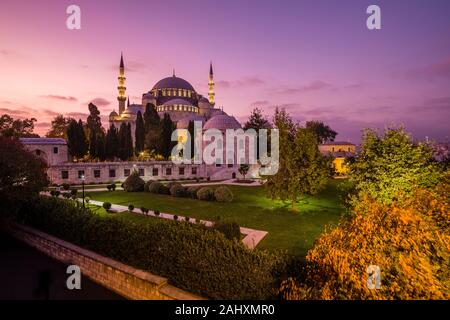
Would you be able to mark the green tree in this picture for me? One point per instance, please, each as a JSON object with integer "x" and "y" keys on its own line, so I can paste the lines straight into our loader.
{"x": 139, "y": 133}
{"x": 322, "y": 131}
{"x": 17, "y": 128}
{"x": 243, "y": 169}
{"x": 165, "y": 143}
{"x": 391, "y": 165}
{"x": 59, "y": 127}
{"x": 151, "y": 117}
{"x": 125, "y": 142}
{"x": 76, "y": 139}
{"x": 258, "y": 121}
{"x": 112, "y": 143}
{"x": 96, "y": 131}
{"x": 302, "y": 169}
{"x": 22, "y": 174}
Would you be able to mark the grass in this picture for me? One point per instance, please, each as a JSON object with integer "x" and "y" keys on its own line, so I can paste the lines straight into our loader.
{"x": 294, "y": 231}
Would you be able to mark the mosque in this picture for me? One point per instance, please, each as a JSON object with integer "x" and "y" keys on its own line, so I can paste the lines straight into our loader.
{"x": 174, "y": 96}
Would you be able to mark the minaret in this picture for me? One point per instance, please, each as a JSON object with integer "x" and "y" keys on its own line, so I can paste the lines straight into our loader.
{"x": 211, "y": 86}
{"x": 121, "y": 97}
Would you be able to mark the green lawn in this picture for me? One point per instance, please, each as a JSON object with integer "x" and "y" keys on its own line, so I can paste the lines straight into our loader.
{"x": 293, "y": 231}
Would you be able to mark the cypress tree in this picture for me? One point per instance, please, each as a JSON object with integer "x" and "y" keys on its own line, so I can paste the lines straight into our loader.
{"x": 112, "y": 143}
{"x": 151, "y": 118}
{"x": 165, "y": 143}
{"x": 139, "y": 133}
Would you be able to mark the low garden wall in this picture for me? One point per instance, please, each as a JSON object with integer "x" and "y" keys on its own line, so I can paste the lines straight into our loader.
{"x": 125, "y": 280}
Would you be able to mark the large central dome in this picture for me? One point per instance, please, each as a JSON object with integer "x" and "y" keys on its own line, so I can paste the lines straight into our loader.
{"x": 173, "y": 83}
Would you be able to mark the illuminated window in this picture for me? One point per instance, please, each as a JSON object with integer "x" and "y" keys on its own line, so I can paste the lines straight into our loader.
{"x": 80, "y": 173}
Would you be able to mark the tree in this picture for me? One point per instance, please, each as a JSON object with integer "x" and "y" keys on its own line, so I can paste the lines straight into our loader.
{"x": 302, "y": 168}
{"x": 408, "y": 242}
{"x": 76, "y": 139}
{"x": 96, "y": 131}
{"x": 59, "y": 127}
{"x": 151, "y": 118}
{"x": 390, "y": 165}
{"x": 191, "y": 127}
{"x": 322, "y": 131}
{"x": 22, "y": 174}
{"x": 258, "y": 121}
{"x": 112, "y": 143}
{"x": 125, "y": 142}
{"x": 19, "y": 128}
{"x": 139, "y": 133}
{"x": 243, "y": 169}
{"x": 165, "y": 142}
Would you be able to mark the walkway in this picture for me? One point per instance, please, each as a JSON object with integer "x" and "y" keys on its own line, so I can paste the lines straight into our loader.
{"x": 251, "y": 239}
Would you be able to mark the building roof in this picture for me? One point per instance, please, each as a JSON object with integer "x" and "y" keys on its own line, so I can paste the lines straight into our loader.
{"x": 184, "y": 123}
{"x": 338, "y": 143}
{"x": 174, "y": 83}
{"x": 222, "y": 122}
{"x": 173, "y": 102}
{"x": 43, "y": 141}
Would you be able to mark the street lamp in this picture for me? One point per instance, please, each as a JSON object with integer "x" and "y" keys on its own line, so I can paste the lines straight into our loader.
{"x": 82, "y": 186}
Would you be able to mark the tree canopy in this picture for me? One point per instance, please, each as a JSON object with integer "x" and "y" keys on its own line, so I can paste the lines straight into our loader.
{"x": 19, "y": 128}
{"x": 322, "y": 131}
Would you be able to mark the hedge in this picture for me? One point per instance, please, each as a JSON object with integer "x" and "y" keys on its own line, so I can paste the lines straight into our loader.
{"x": 193, "y": 258}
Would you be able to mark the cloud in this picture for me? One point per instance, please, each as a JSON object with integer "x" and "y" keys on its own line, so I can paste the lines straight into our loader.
{"x": 77, "y": 115}
{"x": 58, "y": 97}
{"x": 100, "y": 102}
{"x": 312, "y": 86}
{"x": 14, "y": 112}
{"x": 243, "y": 82}
{"x": 259, "y": 103}
{"x": 439, "y": 69}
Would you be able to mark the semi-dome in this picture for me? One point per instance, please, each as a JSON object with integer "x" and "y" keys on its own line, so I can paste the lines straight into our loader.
{"x": 173, "y": 102}
{"x": 113, "y": 114}
{"x": 184, "y": 123}
{"x": 222, "y": 122}
{"x": 173, "y": 83}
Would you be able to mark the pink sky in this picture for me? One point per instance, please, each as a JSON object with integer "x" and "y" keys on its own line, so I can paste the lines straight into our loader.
{"x": 317, "y": 59}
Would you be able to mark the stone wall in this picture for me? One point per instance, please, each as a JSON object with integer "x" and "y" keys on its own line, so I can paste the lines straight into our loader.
{"x": 127, "y": 281}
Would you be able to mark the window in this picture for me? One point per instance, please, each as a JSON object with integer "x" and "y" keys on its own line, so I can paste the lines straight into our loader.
{"x": 181, "y": 171}
{"x": 155, "y": 171}
{"x": 96, "y": 173}
{"x": 230, "y": 165}
{"x": 80, "y": 173}
{"x": 55, "y": 150}
{"x": 112, "y": 173}
{"x": 218, "y": 165}
{"x": 168, "y": 171}
{"x": 64, "y": 174}
{"x": 194, "y": 170}
{"x": 126, "y": 172}
{"x": 141, "y": 172}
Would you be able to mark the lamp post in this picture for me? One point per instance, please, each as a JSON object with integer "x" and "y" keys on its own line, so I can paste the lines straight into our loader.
{"x": 82, "y": 186}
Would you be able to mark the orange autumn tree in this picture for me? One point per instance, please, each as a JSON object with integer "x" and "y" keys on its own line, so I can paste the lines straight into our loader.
{"x": 409, "y": 242}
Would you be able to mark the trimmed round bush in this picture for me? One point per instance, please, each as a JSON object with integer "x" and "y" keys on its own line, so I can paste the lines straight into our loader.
{"x": 230, "y": 229}
{"x": 192, "y": 191}
{"x": 175, "y": 217}
{"x": 177, "y": 190}
{"x": 153, "y": 186}
{"x": 130, "y": 207}
{"x": 223, "y": 194}
{"x": 205, "y": 193}
{"x": 107, "y": 206}
{"x": 133, "y": 183}
{"x": 74, "y": 192}
{"x": 65, "y": 186}
{"x": 164, "y": 189}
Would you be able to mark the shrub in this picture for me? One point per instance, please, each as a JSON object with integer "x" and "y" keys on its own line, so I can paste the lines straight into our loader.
{"x": 175, "y": 217}
{"x": 107, "y": 206}
{"x": 177, "y": 190}
{"x": 153, "y": 186}
{"x": 164, "y": 189}
{"x": 147, "y": 185}
{"x": 201, "y": 261}
{"x": 230, "y": 229}
{"x": 87, "y": 199}
{"x": 113, "y": 187}
{"x": 133, "y": 183}
{"x": 74, "y": 192}
{"x": 197, "y": 221}
{"x": 57, "y": 193}
{"x": 52, "y": 193}
{"x": 130, "y": 207}
{"x": 66, "y": 195}
{"x": 192, "y": 191}
{"x": 156, "y": 212}
{"x": 65, "y": 186}
{"x": 205, "y": 193}
{"x": 144, "y": 210}
{"x": 187, "y": 219}
{"x": 223, "y": 194}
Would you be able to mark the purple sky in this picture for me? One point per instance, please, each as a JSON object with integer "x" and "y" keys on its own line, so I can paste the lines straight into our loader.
{"x": 316, "y": 58}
